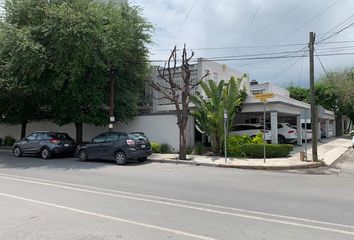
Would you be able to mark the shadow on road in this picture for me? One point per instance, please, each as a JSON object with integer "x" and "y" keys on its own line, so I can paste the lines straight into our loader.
{"x": 69, "y": 163}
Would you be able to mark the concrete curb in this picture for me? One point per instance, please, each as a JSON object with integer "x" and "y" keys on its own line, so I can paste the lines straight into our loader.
{"x": 192, "y": 162}
{"x": 5, "y": 148}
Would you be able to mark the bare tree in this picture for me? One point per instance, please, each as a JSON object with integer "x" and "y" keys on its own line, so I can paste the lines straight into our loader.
{"x": 177, "y": 92}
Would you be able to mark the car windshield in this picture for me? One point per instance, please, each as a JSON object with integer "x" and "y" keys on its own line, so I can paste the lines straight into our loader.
{"x": 138, "y": 136}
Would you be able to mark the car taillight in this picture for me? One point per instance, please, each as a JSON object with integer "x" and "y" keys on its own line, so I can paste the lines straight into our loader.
{"x": 54, "y": 140}
{"x": 291, "y": 131}
{"x": 130, "y": 142}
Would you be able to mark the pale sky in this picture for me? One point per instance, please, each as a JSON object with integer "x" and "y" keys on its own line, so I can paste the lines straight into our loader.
{"x": 208, "y": 25}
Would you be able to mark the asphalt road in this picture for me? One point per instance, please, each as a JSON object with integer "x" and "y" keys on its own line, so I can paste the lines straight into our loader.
{"x": 63, "y": 198}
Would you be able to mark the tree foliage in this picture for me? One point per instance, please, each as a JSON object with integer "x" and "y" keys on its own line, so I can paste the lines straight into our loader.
{"x": 334, "y": 91}
{"x": 65, "y": 52}
{"x": 210, "y": 108}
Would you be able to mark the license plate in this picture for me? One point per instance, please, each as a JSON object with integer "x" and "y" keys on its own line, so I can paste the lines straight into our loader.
{"x": 66, "y": 145}
{"x": 142, "y": 146}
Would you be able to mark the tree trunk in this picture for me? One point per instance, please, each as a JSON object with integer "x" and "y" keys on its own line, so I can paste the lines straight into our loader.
{"x": 78, "y": 126}
{"x": 338, "y": 126}
{"x": 182, "y": 143}
{"x": 23, "y": 129}
{"x": 215, "y": 145}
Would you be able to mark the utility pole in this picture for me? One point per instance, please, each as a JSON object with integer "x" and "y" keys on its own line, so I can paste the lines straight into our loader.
{"x": 312, "y": 99}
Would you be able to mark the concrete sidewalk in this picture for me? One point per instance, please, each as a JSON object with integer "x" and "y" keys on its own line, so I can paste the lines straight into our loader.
{"x": 329, "y": 150}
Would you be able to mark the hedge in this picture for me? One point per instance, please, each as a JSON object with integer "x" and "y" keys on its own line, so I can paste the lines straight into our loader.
{"x": 256, "y": 150}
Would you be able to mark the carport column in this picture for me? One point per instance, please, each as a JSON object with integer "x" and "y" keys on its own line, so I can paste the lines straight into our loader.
{"x": 334, "y": 133}
{"x": 274, "y": 126}
{"x": 299, "y": 130}
{"x": 327, "y": 128}
{"x": 319, "y": 130}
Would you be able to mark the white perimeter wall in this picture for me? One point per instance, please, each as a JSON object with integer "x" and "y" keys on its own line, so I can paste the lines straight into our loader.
{"x": 158, "y": 128}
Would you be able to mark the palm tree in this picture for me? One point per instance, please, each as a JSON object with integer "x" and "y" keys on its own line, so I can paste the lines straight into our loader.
{"x": 210, "y": 109}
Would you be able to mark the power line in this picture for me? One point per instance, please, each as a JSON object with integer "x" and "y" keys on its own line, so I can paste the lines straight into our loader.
{"x": 302, "y": 62}
{"x": 254, "y": 46}
{"x": 341, "y": 30}
{"x": 267, "y": 57}
{"x": 186, "y": 17}
{"x": 277, "y": 19}
{"x": 324, "y": 69}
{"x": 333, "y": 28}
{"x": 310, "y": 20}
{"x": 251, "y": 23}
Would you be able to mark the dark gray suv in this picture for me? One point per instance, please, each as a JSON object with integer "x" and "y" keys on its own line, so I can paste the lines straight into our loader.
{"x": 117, "y": 146}
{"x": 45, "y": 144}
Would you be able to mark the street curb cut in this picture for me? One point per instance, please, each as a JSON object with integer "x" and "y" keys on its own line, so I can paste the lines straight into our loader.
{"x": 335, "y": 162}
{"x": 192, "y": 162}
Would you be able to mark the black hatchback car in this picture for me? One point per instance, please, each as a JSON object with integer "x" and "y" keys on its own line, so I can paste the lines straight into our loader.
{"x": 117, "y": 146}
{"x": 45, "y": 144}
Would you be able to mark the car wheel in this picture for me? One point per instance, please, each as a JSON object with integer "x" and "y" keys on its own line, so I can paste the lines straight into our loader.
{"x": 17, "y": 152}
{"x": 143, "y": 159}
{"x": 281, "y": 139}
{"x": 120, "y": 158}
{"x": 83, "y": 156}
{"x": 45, "y": 153}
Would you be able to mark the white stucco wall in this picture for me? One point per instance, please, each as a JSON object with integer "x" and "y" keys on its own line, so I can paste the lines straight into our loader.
{"x": 158, "y": 128}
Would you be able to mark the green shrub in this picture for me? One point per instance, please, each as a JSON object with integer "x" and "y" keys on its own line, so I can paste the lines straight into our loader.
{"x": 9, "y": 141}
{"x": 238, "y": 140}
{"x": 256, "y": 150}
{"x": 165, "y": 148}
{"x": 199, "y": 149}
{"x": 156, "y": 148}
{"x": 234, "y": 142}
{"x": 258, "y": 139}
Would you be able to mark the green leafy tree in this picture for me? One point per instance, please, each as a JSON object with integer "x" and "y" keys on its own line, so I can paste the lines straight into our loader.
{"x": 69, "y": 51}
{"x": 299, "y": 93}
{"x": 336, "y": 88}
{"x": 106, "y": 43}
{"x": 22, "y": 70}
{"x": 210, "y": 109}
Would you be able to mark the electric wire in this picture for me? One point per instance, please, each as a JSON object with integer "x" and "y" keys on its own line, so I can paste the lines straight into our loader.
{"x": 310, "y": 20}
{"x": 279, "y": 18}
{"x": 186, "y": 18}
{"x": 251, "y": 23}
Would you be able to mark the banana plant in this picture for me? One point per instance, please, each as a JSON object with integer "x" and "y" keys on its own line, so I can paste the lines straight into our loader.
{"x": 210, "y": 106}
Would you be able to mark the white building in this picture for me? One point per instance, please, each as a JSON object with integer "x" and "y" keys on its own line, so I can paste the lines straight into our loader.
{"x": 158, "y": 119}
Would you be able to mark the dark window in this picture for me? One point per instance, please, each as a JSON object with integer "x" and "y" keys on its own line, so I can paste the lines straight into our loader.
{"x": 32, "y": 136}
{"x": 99, "y": 138}
{"x": 42, "y": 136}
{"x": 112, "y": 137}
{"x": 280, "y": 126}
{"x": 61, "y": 136}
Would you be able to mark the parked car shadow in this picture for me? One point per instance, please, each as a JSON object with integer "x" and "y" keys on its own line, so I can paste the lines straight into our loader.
{"x": 59, "y": 162}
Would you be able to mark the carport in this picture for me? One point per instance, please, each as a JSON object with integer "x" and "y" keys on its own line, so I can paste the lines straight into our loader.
{"x": 282, "y": 108}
